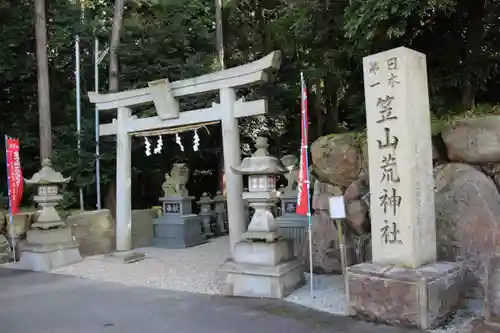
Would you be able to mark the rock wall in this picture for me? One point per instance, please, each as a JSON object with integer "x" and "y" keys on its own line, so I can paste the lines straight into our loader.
{"x": 467, "y": 200}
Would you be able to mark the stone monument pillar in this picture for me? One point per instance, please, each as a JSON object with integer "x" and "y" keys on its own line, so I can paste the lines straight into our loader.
{"x": 290, "y": 224}
{"x": 404, "y": 285}
{"x": 263, "y": 264}
{"x": 49, "y": 242}
{"x": 206, "y": 214}
{"x": 178, "y": 227}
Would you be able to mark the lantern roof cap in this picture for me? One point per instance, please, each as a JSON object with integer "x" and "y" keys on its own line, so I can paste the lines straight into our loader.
{"x": 261, "y": 162}
{"x": 47, "y": 175}
{"x": 219, "y": 196}
{"x": 205, "y": 199}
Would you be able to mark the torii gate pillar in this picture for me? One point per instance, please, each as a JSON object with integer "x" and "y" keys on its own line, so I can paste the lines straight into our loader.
{"x": 123, "y": 182}
{"x": 232, "y": 158}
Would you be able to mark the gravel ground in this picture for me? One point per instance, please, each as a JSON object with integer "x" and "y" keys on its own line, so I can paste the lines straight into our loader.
{"x": 196, "y": 270}
{"x": 328, "y": 294}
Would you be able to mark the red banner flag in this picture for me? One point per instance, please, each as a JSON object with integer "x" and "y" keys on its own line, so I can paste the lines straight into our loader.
{"x": 303, "y": 188}
{"x": 14, "y": 174}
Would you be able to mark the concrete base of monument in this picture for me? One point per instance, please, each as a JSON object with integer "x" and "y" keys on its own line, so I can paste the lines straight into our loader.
{"x": 479, "y": 325}
{"x": 250, "y": 280}
{"x": 44, "y": 258}
{"x": 423, "y": 297}
{"x": 124, "y": 257}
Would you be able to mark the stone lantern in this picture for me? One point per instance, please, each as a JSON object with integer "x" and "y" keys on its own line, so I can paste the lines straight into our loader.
{"x": 220, "y": 212}
{"x": 206, "y": 214}
{"x": 263, "y": 264}
{"x": 49, "y": 243}
{"x": 262, "y": 170}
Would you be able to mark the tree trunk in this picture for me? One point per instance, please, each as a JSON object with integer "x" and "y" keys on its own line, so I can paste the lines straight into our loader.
{"x": 475, "y": 31}
{"x": 318, "y": 107}
{"x": 110, "y": 200}
{"x": 115, "y": 43}
{"x": 44, "y": 121}
{"x": 219, "y": 33}
{"x": 331, "y": 105}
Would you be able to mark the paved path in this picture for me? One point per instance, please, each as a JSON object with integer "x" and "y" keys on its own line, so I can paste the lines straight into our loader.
{"x": 45, "y": 303}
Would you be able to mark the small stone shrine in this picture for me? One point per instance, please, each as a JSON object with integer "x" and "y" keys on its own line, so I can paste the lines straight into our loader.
{"x": 290, "y": 224}
{"x": 221, "y": 213}
{"x": 263, "y": 264}
{"x": 178, "y": 227}
{"x": 404, "y": 285}
{"x": 206, "y": 214}
{"x": 49, "y": 242}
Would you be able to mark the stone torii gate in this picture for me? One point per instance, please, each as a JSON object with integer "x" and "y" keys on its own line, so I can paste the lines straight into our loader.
{"x": 163, "y": 94}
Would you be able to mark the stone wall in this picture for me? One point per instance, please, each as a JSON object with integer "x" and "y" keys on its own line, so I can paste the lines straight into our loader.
{"x": 467, "y": 200}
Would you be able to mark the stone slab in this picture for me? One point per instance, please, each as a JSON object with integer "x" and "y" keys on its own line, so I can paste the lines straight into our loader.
{"x": 124, "y": 257}
{"x": 95, "y": 231}
{"x": 142, "y": 227}
{"x": 262, "y": 281}
{"x": 422, "y": 297}
{"x": 263, "y": 253}
{"x": 44, "y": 258}
{"x": 51, "y": 236}
{"x": 478, "y": 325}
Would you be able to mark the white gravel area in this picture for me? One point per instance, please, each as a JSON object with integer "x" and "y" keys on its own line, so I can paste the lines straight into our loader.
{"x": 194, "y": 269}
{"x": 328, "y": 294}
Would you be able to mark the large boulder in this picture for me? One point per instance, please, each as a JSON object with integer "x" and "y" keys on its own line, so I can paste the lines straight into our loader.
{"x": 338, "y": 158}
{"x": 473, "y": 140}
{"x": 325, "y": 246}
{"x": 467, "y": 219}
{"x": 326, "y": 249}
{"x": 94, "y": 231}
{"x": 356, "y": 216}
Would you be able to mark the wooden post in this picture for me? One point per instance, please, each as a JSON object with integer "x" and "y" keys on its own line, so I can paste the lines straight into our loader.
{"x": 123, "y": 182}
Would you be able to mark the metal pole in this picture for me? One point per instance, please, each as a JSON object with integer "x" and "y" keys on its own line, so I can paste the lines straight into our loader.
{"x": 78, "y": 106}
{"x": 97, "y": 158}
{"x": 309, "y": 218}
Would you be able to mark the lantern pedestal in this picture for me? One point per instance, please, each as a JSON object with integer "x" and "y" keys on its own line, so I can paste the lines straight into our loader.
{"x": 263, "y": 264}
